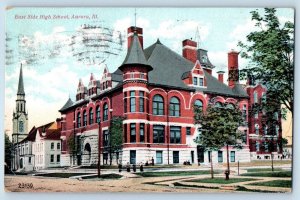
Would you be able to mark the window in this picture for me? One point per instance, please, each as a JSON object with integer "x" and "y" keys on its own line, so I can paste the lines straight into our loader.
{"x": 265, "y": 130}
{"x": 209, "y": 156}
{"x": 51, "y": 158}
{"x": 142, "y": 76}
{"x": 244, "y": 112}
{"x": 132, "y": 101}
{"x": 276, "y": 115}
{"x": 201, "y": 82}
{"x": 256, "y": 129}
{"x": 158, "y": 105}
{"x": 266, "y": 146}
{"x": 195, "y": 81}
{"x": 105, "y": 112}
{"x": 220, "y": 156}
{"x": 84, "y": 118}
{"x": 158, "y": 134}
{"x": 52, "y": 145}
{"x": 232, "y": 156}
{"x": 21, "y": 126}
{"x": 188, "y": 130}
{"x": 141, "y": 101}
{"x": 175, "y": 134}
{"x": 198, "y": 103}
{"x": 57, "y": 158}
{"x": 98, "y": 114}
{"x": 257, "y": 146}
{"x": 244, "y": 137}
{"x": 277, "y": 130}
{"x": 132, "y": 157}
{"x": 105, "y": 138}
{"x": 255, "y": 98}
{"x": 29, "y": 160}
{"x": 132, "y": 133}
{"x": 125, "y": 102}
{"x": 78, "y": 120}
{"x": 58, "y": 146}
{"x": 142, "y": 132}
{"x": 174, "y": 107}
{"x": 256, "y": 115}
{"x": 159, "y": 157}
{"x": 218, "y": 104}
{"x": 91, "y": 119}
{"x": 175, "y": 157}
{"x": 230, "y": 106}
{"x": 131, "y": 75}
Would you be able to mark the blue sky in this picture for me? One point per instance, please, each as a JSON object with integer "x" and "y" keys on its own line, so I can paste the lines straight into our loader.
{"x": 49, "y": 83}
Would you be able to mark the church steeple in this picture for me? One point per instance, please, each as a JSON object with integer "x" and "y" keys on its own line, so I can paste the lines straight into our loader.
{"x": 21, "y": 84}
{"x": 20, "y": 116}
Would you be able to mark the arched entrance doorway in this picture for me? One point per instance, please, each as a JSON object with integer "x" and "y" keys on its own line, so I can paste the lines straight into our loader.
{"x": 21, "y": 163}
{"x": 87, "y": 153}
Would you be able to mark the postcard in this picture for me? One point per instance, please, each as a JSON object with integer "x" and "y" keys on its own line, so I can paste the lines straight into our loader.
{"x": 174, "y": 100}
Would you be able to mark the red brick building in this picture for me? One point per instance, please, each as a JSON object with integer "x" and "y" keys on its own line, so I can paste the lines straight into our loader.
{"x": 155, "y": 89}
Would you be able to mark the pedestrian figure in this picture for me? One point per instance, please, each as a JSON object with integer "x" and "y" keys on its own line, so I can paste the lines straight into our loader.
{"x": 128, "y": 167}
{"x": 120, "y": 167}
{"x": 134, "y": 168}
{"x": 152, "y": 161}
{"x": 141, "y": 167}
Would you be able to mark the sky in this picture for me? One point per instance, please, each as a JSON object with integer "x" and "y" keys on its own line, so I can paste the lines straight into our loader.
{"x": 50, "y": 48}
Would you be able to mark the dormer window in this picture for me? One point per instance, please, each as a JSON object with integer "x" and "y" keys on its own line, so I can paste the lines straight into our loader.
{"x": 142, "y": 76}
{"x": 195, "y": 81}
{"x": 204, "y": 58}
{"x": 201, "y": 82}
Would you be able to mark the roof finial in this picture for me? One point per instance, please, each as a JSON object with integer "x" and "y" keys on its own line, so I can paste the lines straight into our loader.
{"x": 135, "y": 18}
{"x": 197, "y": 37}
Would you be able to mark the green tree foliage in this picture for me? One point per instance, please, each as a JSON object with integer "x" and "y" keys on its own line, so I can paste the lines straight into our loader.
{"x": 8, "y": 149}
{"x": 219, "y": 127}
{"x": 270, "y": 50}
{"x": 116, "y": 135}
{"x": 71, "y": 144}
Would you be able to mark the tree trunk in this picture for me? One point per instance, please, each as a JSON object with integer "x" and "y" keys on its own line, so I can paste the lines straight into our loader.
{"x": 211, "y": 166}
{"x": 272, "y": 162}
{"x": 228, "y": 168}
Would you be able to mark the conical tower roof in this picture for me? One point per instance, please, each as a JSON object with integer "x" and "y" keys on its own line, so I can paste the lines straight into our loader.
{"x": 68, "y": 104}
{"x": 135, "y": 55}
{"x": 21, "y": 84}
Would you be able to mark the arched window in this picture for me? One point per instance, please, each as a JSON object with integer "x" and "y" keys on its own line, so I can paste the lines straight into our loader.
{"x": 78, "y": 120}
{"x": 255, "y": 97}
{"x": 105, "y": 112}
{"x": 199, "y": 104}
{"x": 174, "y": 107}
{"x": 218, "y": 104}
{"x": 158, "y": 105}
{"x": 91, "y": 114}
{"x": 266, "y": 130}
{"x": 277, "y": 130}
{"x": 98, "y": 114}
{"x": 230, "y": 106}
{"x": 256, "y": 129}
{"x": 84, "y": 118}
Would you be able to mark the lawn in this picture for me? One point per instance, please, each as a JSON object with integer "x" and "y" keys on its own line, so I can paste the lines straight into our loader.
{"x": 103, "y": 176}
{"x": 62, "y": 175}
{"x": 275, "y": 183}
{"x": 194, "y": 186}
{"x": 263, "y": 169}
{"x": 270, "y": 174}
{"x": 221, "y": 180}
{"x": 175, "y": 173}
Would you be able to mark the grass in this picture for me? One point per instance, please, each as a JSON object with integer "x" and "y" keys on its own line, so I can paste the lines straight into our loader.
{"x": 263, "y": 169}
{"x": 104, "y": 176}
{"x": 174, "y": 173}
{"x": 244, "y": 189}
{"x": 62, "y": 175}
{"x": 260, "y": 163}
{"x": 221, "y": 180}
{"x": 275, "y": 183}
{"x": 194, "y": 186}
{"x": 270, "y": 174}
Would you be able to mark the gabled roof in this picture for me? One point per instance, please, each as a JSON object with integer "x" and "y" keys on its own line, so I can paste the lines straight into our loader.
{"x": 21, "y": 84}
{"x": 68, "y": 104}
{"x": 135, "y": 54}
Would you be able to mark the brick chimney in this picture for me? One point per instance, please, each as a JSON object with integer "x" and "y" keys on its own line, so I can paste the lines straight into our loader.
{"x": 189, "y": 50}
{"x": 221, "y": 76}
{"x": 233, "y": 68}
{"x": 130, "y": 32}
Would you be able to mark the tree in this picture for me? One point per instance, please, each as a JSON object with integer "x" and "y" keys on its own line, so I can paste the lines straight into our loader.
{"x": 8, "y": 151}
{"x": 271, "y": 54}
{"x": 71, "y": 145}
{"x": 219, "y": 127}
{"x": 116, "y": 135}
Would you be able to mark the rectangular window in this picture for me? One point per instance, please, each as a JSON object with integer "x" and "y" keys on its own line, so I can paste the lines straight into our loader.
{"x": 51, "y": 158}
{"x": 132, "y": 133}
{"x": 29, "y": 160}
{"x": 57, "y": 158}
{"x": 175, "y": 157}
{"x": 125, "y": 102}
{"x": 159, "y": 157}
{"x": 220, "y": 156}
{"x": 195, "y": 81}
{"x": 132, "y": 101}
{"x": 257, "y": 146}
{"x": 132, "y": 157}
{"x": 188, "y": 130}
{"x": 141, "y": 101}
{"x": 175, "y": 132}
{"x": 105, "y": 138}
{"x": 192, "y": 157}
{"x": 142, "y": 76}
{"x": 256, "y": 115}
{"x": 52, "y": 145}
{"x": 232, "y": 156}
{"x": 142, "y": 132}
{"x": 201, "y": 82}
{"x": 158, "y": 134}
{"x": 58, "y": 145}
{"x": 209, "y": 156}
